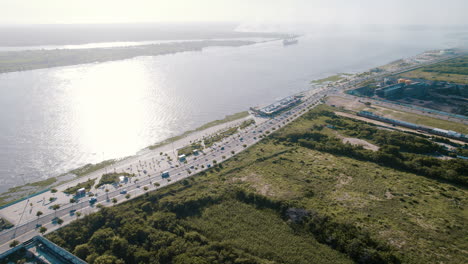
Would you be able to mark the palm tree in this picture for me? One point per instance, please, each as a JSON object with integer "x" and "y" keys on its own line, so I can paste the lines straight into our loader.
{"x": 55, "y": 207}
{"x": 38, "y": 214}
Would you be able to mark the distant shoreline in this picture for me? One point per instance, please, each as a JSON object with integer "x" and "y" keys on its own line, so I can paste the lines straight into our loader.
{"x": 14, "y": 61}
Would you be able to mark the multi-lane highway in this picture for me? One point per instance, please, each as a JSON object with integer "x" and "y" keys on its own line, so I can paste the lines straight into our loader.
{"x": 148, "y": 177}
{"x": 147, "y": 168}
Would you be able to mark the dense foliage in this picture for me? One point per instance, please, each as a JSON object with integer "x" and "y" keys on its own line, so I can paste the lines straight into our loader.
{"x": 162, "y": 228}
{"x": 282, "y": 202}
{"x": 112, "y": 177}
{"x": 87, "y": 185}
{"x": 397, "y": 150}
{"x": 455, "y": 66}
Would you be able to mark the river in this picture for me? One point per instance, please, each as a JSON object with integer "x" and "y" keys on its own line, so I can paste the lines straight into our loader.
{"x": 53, "y": 120}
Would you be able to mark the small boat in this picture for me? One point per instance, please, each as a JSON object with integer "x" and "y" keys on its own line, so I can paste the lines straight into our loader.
{"x": 290, "y": 41}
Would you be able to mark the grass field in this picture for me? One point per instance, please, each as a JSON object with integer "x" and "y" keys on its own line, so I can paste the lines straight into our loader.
{"x": 333, "y": 78}
{"x": 354, "y": 105}
{"x": 260, "y": 232}
{"x": 228, "y": 118}
{"x": 16, "y": 193}
{"x": 87, "y": 185}
{"x": 239, "y": 208}
{"x": 454, "y": 70}
{"x": 436, "y": 76}
{"x": 420, "y": 119}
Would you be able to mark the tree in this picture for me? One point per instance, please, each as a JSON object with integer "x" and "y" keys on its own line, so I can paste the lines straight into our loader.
{"x": 114, "y": 200}
{"x": 38, "y": 214}
{"x": 14, "y": 243}
{"x": 42, "y": 230}
{"x": 78, "y": 214}
{"x": 55, "y": 207}
{"x": 53, "y": 190}
{"x": 72, "y": 200}
{"x": 59, "y": 221}
{"x": 82, "y": 251}
{"x": 105, "y": 259}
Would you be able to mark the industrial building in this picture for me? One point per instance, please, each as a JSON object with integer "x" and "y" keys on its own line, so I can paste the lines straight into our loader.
{"x": 404, "y": 88}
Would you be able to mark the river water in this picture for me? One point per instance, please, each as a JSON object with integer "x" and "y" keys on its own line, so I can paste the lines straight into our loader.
{"x": 53, "y": 120}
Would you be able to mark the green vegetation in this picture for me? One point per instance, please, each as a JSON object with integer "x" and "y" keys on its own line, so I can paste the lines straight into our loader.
{"x": 228, "y": 118}
{"x": 37, "y": 59}
{"x": 4, "y": 224}
{"x": 220, "y": 136}
{"x": 229, "y": 132}
{"x": 401, "y": 115}
{"x": 14, "y": 243}
{"x": 333, "y": 78}
{"x": 426, "y": 120}
{"x": 88, "y": 168}
{"x": 17, "y": 192}
{"x": 87, "y": 185}
{"x": 455, "y": 70}
{"x": 42, "y": 184}
{"x": 188, "y": 150}
{"x": 111, "y": 178}
{"x": 397, "y": 150}
{"x": 282, "y": 202}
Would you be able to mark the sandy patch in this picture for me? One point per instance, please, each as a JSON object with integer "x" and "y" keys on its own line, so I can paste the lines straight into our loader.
{"x": 360, "y": 142}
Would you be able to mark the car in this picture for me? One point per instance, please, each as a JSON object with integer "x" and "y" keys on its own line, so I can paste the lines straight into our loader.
{"x": 92, "y": 200}
{"x": 209, "y": 165}
{"x": 123, "y": 191}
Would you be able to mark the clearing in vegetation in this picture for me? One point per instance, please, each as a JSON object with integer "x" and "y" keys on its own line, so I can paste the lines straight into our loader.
{"x": 299, "y": 196}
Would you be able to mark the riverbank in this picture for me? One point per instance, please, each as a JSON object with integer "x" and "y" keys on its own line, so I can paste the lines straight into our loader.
{"x": 12, "y": 61}
{"x": 17, "y": 193}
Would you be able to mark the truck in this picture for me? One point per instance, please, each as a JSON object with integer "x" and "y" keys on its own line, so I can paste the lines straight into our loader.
{"x": 165, "y": 174}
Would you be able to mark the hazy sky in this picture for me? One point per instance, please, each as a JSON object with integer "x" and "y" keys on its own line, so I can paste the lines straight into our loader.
{"x": 257, "y": 11}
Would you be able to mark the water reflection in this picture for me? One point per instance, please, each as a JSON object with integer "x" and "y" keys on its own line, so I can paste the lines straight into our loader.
{"x": 53, "y": 120}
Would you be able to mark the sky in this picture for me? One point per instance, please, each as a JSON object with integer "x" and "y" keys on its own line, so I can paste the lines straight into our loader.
{"x": 241, "y": 11}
